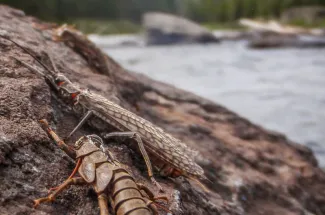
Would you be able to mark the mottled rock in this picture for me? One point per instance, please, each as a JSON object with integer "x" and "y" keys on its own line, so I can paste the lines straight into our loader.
{"x": 252, "y": 170}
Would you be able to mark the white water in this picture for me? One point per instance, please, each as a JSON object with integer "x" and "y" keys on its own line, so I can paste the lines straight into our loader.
{"x": 283, "y": 90}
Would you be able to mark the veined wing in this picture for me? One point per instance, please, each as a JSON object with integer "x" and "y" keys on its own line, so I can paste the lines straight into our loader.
{"x": 164, "y": 145}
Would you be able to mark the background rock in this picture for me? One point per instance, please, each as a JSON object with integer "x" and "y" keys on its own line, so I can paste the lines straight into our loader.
{"x": 162, "y": 28}
{"x": 253, "y": 170}
{"x": 273, "y": 40}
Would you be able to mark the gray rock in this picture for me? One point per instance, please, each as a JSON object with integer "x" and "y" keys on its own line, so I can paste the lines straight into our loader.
{"x": 161, "y": 28}
{"x": 273, "y": 40}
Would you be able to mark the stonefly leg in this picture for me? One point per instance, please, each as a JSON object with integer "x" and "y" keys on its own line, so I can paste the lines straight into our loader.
{"x": 83, "y": 120}
{"x": 137, "y": 138}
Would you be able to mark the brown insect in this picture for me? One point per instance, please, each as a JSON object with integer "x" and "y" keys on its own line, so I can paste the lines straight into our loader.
{"x": 97, "y": 167}
{"x": 172, "y": 157}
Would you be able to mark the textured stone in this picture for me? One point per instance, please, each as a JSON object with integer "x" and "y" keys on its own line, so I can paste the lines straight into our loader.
{"x": 252, "y": 170}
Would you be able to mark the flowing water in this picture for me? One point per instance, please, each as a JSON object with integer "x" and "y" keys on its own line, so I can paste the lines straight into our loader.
{"x": 280, "y": 89}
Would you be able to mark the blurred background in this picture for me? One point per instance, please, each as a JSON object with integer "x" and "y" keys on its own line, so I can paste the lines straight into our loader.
{"x": 263, "y": 59}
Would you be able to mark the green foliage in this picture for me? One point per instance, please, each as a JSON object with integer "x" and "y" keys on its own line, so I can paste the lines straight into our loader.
{"x": 106, "y": 26}
{"x": 303, "y": 23}
{"x": 211, "y": 11}
{"x": 230, "y": 10}
{"x": 95, "y": 9}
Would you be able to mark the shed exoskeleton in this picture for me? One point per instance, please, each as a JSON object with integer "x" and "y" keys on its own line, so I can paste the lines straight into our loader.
{"x": 98, "y": 167}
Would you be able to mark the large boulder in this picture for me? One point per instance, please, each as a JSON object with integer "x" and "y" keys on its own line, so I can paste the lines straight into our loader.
{"x": 252, "y": 170}
{"x": 273, "y": 34}
{"x": 162, "y": 28}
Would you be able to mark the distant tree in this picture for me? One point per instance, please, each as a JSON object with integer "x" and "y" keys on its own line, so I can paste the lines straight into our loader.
{"x": 200, "y": 10}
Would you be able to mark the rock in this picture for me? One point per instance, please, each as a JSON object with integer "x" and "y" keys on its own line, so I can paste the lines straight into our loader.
{"x": 273, "y": 27}
{"x": 272, "y": 40}
{"x": 252, "y": 170}
{"x": 273, "y": 34}
{"x": 114, "y": 41}
{"x": 161, "y": 29}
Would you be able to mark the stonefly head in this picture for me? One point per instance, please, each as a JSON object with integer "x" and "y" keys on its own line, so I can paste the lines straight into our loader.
{"x": 88, "y": 144}
{"x": 67, "y": 91}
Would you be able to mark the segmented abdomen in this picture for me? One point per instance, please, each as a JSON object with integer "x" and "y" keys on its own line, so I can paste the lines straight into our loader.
{"x": 127, "y": 199}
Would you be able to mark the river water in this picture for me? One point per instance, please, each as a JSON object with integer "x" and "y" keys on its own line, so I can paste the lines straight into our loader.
{"x": 280, "y": 89}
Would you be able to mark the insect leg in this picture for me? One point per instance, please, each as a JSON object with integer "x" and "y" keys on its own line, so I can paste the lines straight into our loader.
{"x": 153, "y": 200}
{"x": 143, "y": 151}
{"x": 150, "y": 194}
{"x": 102, "y": 202}
{"x": 71, "y": 175}
{"x": 70, "y": 152}
{"x": 152, "y": 207}
{"x": 83, "y": 120}
{"x": 51, "y": 197}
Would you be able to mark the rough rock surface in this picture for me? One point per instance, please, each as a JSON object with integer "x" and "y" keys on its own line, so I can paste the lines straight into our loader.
{"x": 253, "y": 170}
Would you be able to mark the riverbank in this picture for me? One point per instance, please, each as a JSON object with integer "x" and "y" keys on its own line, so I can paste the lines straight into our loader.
{"x": 109, "y": 27}
{"x": 106, "y": 27}
{"x": 113, "y": 27}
